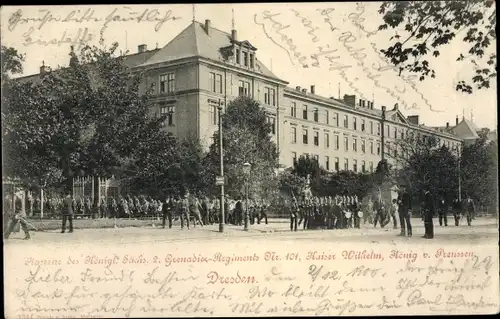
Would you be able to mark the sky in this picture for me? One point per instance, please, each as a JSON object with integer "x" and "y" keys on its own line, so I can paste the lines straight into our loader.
{"x": 333, "y": 46}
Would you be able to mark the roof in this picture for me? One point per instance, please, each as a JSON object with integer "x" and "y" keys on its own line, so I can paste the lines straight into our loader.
{"x": 193, "y": 41}
{"x": 466, "y": 130}
{"x": 130, "y": 60}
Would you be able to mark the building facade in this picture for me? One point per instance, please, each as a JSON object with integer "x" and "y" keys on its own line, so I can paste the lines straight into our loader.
{"x": 203, "y": 68}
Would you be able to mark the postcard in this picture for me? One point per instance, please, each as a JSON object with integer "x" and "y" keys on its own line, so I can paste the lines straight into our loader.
{"x": 271, "y": 159}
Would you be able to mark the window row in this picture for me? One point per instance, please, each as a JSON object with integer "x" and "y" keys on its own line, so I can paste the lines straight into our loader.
{"x": 336, "y": 141}
{"x": 167, "y": 110}
{"x": 245, "y": 58}
{"x": 362, "y": 168}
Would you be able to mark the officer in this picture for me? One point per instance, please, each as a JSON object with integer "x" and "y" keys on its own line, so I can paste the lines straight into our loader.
{"x": 167, "y": 212}
{"x": 262, "y": 211}
{"x": 443, "y": 211}
{"x": 470, "y": 209}
{"x": 404, "y": 211}
{"x": 16, "y": 214}
{"x": 457, "y": 211}
{"x": 67, "y": 213}
{"x": 428, "y": 210}
{"x": 184, "y": 210}
{"x": 294, "y": 211}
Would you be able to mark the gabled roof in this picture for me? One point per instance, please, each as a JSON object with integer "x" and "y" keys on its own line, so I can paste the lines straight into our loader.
{"x": 396, "y": 116}
{"x": 466, "y": 130}
{"x": 193, "y": 41}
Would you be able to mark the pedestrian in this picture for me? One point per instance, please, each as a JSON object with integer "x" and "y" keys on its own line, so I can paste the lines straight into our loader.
{"x": 184, "y": 210}
{"x": 294, "y": 211}
{"x": 404, "y": 212}
{"x": 394, "y": 213}
{"x": 443, "y": 211}
{"x": 428, "y": 208}
{"x": 457, "y": 210}
{"x": 194, "y": 208}
{"x": 470, "y": 210}
{"x": 380, "y": 217}
{"x": 167, "y": 212}
{"x": 67, "y": 213}
{"x": 16, "y": 215}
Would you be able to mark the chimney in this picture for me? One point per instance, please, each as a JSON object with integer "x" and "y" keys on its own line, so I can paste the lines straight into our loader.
{"x": 304, "y": 91}
{"x": 447, "y": 125}
{"x": 456, "y": 120}
{"x": 234, "y": 35}
{"x": 350, "y": 100}
{"x": 396, "y": 107}
{"x": 207, "y": 27}
{"x": 44, "y": 68}
{"x": 297, "y": 88}
{"x": 413, "y": 119}
{"x": 313, "y": 89}
{"x": 142, "y": 48}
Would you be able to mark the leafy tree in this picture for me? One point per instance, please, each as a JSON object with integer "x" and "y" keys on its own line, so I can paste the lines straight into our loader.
{"x": 246, "y": 138}
{"x": 291, "y": 184}
{"x": 423, "y": 27}
{"x": 306, "y": 165}
{"x": 12, "y": 62}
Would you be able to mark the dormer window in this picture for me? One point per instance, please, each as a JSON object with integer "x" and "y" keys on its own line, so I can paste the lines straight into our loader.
{"x": 245, "y": 58}
{"x": 251, "y": 60}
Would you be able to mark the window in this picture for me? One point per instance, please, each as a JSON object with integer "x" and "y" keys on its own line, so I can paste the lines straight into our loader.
{"x": 337, "y": 142}
{"x": 316, "y": 138}
{"x": 168, "y": 110}
{"x": 294, "y": 157}
{"x": 346, "y": 122}
{"x": 327, "y": 140}
{"x": 293, "y": 109}
{"x": 304, "y": 136}
{"x": 304, "y": 112}
{"x": 293, "y": 132}
{"x": 371, "y": 167}
{"x": 346, "y": 143}
{"x": 395, "y": 133}
{"x": 346, "y": 164}
{"x": 327, "y": 118}
{"x": 378, "y": 148}
{"x": 363, "y": 166}
{"x": 336, "y": 119}
{"x": 213, "y": 115}
{"x": 402, "y": 134}
{"x": 371, "y": 127}
{"x": 251, "y": 60}
{"x": 237, "y": 56}
{"x": 272, "y": 120}
{"x": 371, "y": 147}
{"x": 387, "y": 132}
{"x": 354, "y": 144}
{"x": 245, "y": 58}
{"x": 243, "y": 88}
{"x": 167, "y": 83}
{"x": 363, "y": 149}
{"x": 316, "y": 158}
{"x": 327, "y": 163}
{"x": 354, "y": 123}
{"x": 363, "y": 125}
{"x": 215, "y": 82}
{"x": 316, "y": 115}
{"x": 378, "y": 129}
{"x": 337, "y": 168}
{"x": 270, "y": 96}
{"x": 355, "y": 165}
{"x": 395, "y": 151}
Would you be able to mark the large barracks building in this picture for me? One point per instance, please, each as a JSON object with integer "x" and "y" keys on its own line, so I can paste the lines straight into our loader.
{"x": 203, "y": 67}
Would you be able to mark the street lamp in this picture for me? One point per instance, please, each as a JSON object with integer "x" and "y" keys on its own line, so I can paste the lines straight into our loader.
{"x": 246, "y": 170}
{"x": 221, "y": 148}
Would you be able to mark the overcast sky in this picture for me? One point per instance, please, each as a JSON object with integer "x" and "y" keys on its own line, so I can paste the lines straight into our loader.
{"x": 286, "y": 35}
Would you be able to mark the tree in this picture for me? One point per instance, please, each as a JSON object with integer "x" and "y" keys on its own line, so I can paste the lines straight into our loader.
{"x": 12, "y": 62}
{"x": 246, "y": 138}
{"x": 428, "y": 25}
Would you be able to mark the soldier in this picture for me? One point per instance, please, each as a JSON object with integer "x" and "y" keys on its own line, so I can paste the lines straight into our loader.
{"x": 238, "y": 213}
{"x": 294, "y": 211}
{"x": 394, "y": 213}
{"x": 355, "y": 210}
{"x": 469, "y": 209}
{"x": 194, "y": 208}
{"x": 443, "y": 211}
{"x": 262, "y": 211}
{"x": 167, "y": 208}
{"x": 380, "y": 217}
{"x": 404, "y": 211}
{"x": 457, "y": 211}
{"x": 16, "y": 214}
{"x": 67, "y": 213}
{"x": 368, "y": 211}
{"x": 88, "y": 206}
{"x": 205, "y": 204}
{"x": 184, "y": 210}
{"x": 429, "y": 210}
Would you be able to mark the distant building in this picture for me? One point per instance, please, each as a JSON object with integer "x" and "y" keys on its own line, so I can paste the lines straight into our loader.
{"x": 203, "y": 67}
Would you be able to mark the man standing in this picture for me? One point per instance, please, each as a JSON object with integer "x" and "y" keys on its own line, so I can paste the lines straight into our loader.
{"x": 443, "y": 211}
{"x": 167, "y": 212}
{"x": 470, "y": 209}
{"x": 184, "y": 210}
{"x": 429, "y": 210}
{"x": 457, "y": 211}
{"x": 67, "y": 213}
{"x": 294, "y": 211}
{"x": 16, "y": 215}
{"x": 404, "y": 211}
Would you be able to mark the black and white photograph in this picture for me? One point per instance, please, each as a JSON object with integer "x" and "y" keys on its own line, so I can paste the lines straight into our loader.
{"x": 250, "y": 159}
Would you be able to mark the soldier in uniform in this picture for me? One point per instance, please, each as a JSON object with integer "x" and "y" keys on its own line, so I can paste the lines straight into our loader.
{"x": 469, "y": 209}
{"x": 294, "y": 211}
{"x": 404, "y": 211}
{"x": 103, "y": 208}
{"x": 379, "y": 213}
{"x": 167, "y": 208}
{"x": 67, "y": 213}
{"x": 194, "y": 208}
{"x": 443, "y": 211}
{"x": 16, "y": 215}
{"x": 394, "y": 213}
{"x": 429, "y": 210}
{"x": 184, "y": 210}
{"x": 88, "y": 206}
{"x": 355, "y": 211}
{"x": 262, "y": 211}
{"x": 457, "y": 211}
